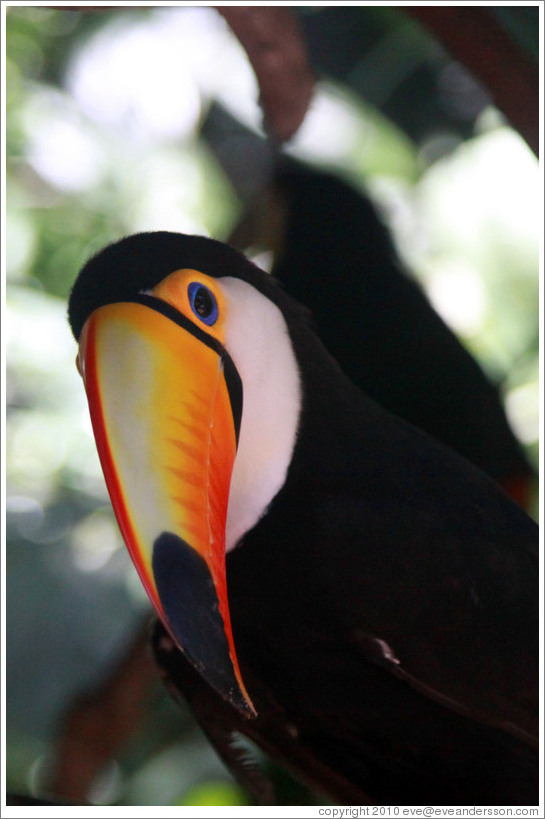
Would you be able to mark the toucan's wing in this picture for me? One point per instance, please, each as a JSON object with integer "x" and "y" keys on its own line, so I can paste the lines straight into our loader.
{"x": 456, "y": 620}
{"x": 410, "y": 543}
{"x": 427, "y": 568}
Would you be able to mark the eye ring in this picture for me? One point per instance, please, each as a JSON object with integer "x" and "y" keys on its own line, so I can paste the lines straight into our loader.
{"x": 203, "y": 303}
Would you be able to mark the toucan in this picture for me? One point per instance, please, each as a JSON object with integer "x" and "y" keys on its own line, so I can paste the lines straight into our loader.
{"x": 347, "y": 592}
{"x": 333, "y": 251}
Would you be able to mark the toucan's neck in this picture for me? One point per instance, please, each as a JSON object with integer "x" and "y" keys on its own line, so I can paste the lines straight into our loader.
{"x": 337, "y": 419}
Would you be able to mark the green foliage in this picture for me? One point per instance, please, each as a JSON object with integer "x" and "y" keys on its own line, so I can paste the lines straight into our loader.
{"x": 214, "y": 793}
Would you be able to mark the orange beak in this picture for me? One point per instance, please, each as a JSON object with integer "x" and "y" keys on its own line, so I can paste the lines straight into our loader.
{"x": 165, "y": 402}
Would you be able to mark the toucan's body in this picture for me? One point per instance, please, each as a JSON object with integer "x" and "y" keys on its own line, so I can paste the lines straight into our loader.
{"x": 377, "y": 630}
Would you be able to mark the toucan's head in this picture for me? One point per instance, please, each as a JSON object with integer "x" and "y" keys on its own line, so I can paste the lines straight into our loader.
{"x": 195, "y": 399}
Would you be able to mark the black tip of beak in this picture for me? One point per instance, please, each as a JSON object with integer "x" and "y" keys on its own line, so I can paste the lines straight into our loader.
{"x": 188, "y": 597}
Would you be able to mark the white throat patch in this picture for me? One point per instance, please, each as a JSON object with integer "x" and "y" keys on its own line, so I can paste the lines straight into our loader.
{"x": 257, "y": 339}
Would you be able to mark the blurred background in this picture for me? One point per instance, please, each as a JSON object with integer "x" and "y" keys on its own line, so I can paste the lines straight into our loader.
{"x": 148, "y": 118}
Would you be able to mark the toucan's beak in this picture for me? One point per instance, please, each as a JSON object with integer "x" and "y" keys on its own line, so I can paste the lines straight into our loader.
{"x": 165, "y": 405}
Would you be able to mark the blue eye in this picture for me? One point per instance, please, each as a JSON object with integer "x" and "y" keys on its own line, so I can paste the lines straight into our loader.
{"x": 203, "y": 303}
